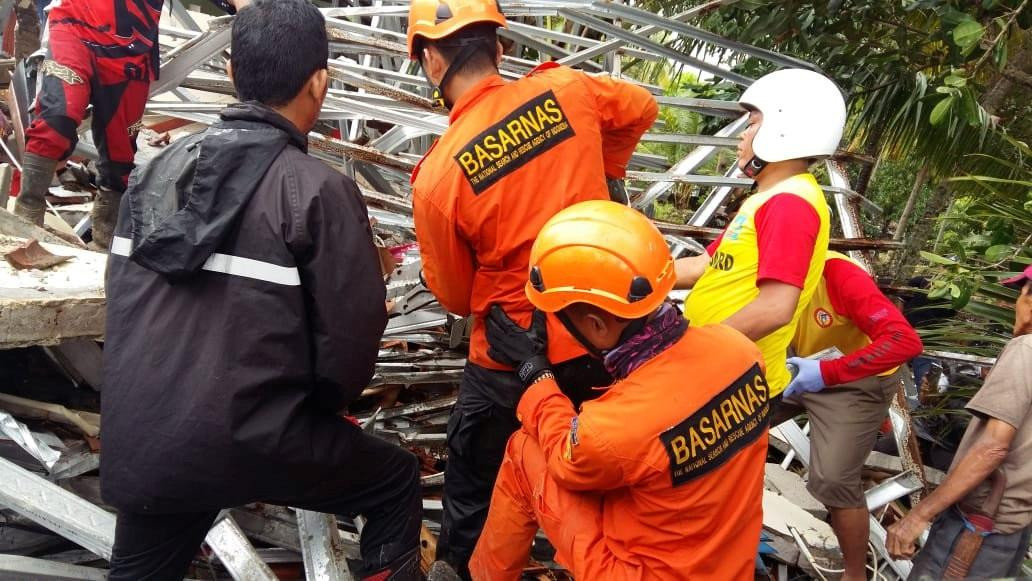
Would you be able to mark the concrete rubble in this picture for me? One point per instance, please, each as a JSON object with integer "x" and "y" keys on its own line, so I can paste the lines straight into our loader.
{"x": 45, "y": 307}
{"x": 376, "y": 123}
{"x": 792, "y": 487}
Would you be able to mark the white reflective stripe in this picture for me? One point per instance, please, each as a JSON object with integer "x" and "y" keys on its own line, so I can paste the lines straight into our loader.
{"x": 256, "y": 269}
{"x": 229, "y": 264}
{"x": 121, "y": 246}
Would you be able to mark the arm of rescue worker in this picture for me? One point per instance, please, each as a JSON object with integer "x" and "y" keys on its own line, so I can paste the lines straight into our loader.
{"x": 691, "y": 268}
{"x": 626, "y": 112}
{"x": 448, "y": 262}
{"x": 787, "y": 227}
{"x": 893, "y": 341}
{"x": 343, "y": 288}
{"x": 769, "y": 311}
{"x": 1004, "y": 401}
{"x": 578, "y": 456}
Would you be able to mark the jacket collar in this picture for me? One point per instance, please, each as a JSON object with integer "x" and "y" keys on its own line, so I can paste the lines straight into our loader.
{"x": 473, "y": 95}
{"x": 257, "y": 112}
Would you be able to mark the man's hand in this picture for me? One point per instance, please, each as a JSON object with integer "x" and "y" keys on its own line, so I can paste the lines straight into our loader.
{"x": 523, "y": 349}
{"x": 902, "y": 536}
{"x": 808, "y": 379}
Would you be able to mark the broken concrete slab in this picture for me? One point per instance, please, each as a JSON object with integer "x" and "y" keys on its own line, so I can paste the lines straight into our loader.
{"x": 46, "y": 307}
{"x": 791, "y": 486}
{"x": 18, "y": 227}
{"x": 781, "y": 517}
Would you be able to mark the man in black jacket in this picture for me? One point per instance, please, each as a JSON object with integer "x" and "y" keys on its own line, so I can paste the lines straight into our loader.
{"x": 245, "y": 310}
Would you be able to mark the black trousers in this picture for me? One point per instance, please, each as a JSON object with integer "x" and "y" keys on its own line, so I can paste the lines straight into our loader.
{"x": 479, "y": 427}
{"x": 380, "y": 482}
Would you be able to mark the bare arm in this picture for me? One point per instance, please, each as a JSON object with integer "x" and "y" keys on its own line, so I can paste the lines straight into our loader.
{"x": 689, "y": 270}
{"x": 986, "y": 454}
{"x": 772, "y": 309}
{"x": 1023, "y": 312}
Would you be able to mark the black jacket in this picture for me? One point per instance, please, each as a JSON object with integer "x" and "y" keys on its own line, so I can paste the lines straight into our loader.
{"x": 245, "y": 308}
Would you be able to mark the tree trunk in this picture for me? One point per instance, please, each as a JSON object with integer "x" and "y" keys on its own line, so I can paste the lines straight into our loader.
{"x": 908, "y": 258}
{"x": 871, "y": 148}
{"x": 908, "y": 209}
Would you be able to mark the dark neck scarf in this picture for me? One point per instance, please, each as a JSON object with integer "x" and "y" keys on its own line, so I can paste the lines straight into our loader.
{"x": 665, "y": 329}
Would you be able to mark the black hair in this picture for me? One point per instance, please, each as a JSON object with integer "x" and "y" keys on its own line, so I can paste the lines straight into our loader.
{"x": 484, "y": 35}
{"x": 277, "y": 46}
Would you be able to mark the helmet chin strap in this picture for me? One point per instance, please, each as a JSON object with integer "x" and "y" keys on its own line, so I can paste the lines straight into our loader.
{"x": 754, "y": 167}
{"x": 468, "y": 50}
{"x": 632, "y": 329}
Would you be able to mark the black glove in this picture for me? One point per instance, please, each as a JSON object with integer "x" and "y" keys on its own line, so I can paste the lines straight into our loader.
{"x": 522, "y": 349}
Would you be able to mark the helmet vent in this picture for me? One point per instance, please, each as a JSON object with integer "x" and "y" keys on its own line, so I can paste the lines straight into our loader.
{"x": 640, "y": 289}
{"x": 443, "y": 12}
{"x": 535, "y": 279}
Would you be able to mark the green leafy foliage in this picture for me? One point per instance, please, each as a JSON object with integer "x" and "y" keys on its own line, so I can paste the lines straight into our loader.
{"x": 990, "y": 241}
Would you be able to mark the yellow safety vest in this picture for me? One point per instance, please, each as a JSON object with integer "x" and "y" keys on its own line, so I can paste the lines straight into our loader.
{"x": 729, "y": 281}
{"x": 821, "y": 327}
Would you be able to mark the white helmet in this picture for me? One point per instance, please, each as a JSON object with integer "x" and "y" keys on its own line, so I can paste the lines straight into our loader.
{"x": 803, "y": 115}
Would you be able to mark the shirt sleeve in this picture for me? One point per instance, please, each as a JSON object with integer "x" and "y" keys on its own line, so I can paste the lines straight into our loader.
{"x": 626, "y": 112}
{"x": 712, "y": 248}
{"x": 1007, "y": 393}
{"x": 853, "y": 293}
{"x": 448, "y": 262}
{"x": 787, "y": 227}
{"x": 578, "y": 456}
{"x": 335, "y": 252}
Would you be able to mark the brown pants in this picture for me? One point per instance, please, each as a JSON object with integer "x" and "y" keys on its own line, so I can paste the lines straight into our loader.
{"x": 844, "y": 423}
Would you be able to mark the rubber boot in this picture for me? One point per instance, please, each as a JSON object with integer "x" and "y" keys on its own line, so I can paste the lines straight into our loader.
{"x": 37, "y": 174}
{"x": 104, "y": 217}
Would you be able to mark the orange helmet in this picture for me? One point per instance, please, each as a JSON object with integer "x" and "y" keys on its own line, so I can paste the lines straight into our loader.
{"x": 604, "y": 254}
{"x": 436, "y": 19}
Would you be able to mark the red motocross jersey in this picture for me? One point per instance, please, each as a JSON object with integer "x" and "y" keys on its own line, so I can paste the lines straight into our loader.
{"x": 116, "y": 28}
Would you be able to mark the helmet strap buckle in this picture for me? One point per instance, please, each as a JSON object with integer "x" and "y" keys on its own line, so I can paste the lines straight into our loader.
{"x": 754, "y": 167}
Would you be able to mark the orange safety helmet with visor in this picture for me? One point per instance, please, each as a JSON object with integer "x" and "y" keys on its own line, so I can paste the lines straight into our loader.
{"x": 439, "y": 19}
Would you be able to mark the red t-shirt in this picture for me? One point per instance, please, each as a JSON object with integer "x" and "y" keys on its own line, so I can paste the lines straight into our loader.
{"x": 786, "y": 229}
{"x": 854, "y": 294}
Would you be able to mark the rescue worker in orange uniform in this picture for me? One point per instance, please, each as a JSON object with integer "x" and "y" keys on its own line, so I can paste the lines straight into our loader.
{"x": 761, "y": 272}
{"x": 661, "y": 477}
{"x": 846, "y": 396}
{"x": 515, "y": 153}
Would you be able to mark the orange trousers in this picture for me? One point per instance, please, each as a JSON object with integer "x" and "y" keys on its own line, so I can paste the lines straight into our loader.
{"x": 525, "y": 497}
